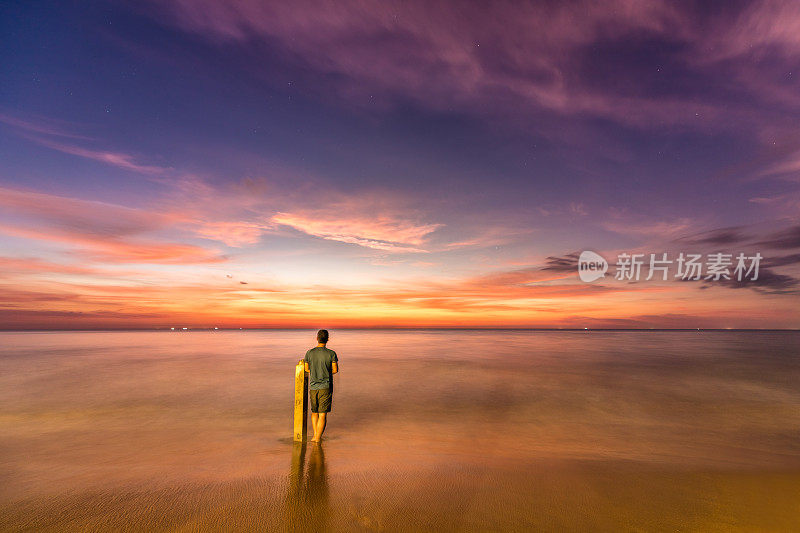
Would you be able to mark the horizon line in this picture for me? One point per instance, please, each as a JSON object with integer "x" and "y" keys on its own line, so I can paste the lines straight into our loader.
{"x": 182, "y": 329}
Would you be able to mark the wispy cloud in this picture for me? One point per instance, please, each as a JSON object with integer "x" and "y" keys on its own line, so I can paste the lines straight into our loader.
{"x": 439, "y": 54}
{"x": 649, "y": 227}
{"x": 233, "y": 233}
{"x": 33, "y": 265}
{"x": 787, "y": 168}
{"x": 730, "y": 235}
{"x": 786, "y": 205}
{"x": 762, "y": 29}
{"x": 99, "y": 231}
{"x": 116, "y": 159}
{"x": 109, "y": 249}
{"x": 76, "y": 214}
{"x": 52, "y": 134}
{"x": 387, "y": 233}
{"x": 785, "y": 239}
{"x": 520, "y": 58}
{"x": 40, "y": 125}
{"x": 240, "y": 213}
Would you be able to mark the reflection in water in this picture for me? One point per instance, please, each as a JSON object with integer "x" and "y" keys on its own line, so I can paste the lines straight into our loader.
{"x": 502, "y": 430}
{"x": 307, "y": 506}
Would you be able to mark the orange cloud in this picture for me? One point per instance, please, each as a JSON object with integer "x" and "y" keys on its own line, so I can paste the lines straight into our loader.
{"x": 32, "y": 265}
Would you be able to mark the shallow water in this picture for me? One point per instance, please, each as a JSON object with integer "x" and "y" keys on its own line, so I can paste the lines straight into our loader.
{"x": 430, "y": 430}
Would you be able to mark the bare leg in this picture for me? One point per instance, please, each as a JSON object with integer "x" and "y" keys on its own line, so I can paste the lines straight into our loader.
{"x": 314, "y": 418}
{"x": 319, "y": 427}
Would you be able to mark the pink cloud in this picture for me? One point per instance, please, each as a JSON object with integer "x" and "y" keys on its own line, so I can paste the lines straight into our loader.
{"x": 524, "y": 57}
{"x": 120, "y": 160}
{"x": 239, "y": 213}
{"x": 235, "y": 234}
{"x": 386, "y": 232}
{"x": 519, "y": 60}
{"x": 236, "y": 214}
{"x": 91, "y": 217}
{"x": 437, "y": 54}
{"x": 488, "y": 235}
{"x": 782, "y": 205}
{"x": 787, "y": 168}
{"x": 100, "y": 231}
{"x": 761, "y": 29}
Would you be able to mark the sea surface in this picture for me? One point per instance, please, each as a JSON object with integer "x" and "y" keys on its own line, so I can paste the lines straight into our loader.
{"x": 431, "y": 430}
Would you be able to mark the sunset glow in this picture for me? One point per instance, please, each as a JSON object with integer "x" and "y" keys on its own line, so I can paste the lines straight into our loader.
{"x": 203, "y": 165}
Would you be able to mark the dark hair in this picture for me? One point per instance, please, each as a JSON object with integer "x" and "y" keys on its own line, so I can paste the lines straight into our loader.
{"x": 322, "y": 336}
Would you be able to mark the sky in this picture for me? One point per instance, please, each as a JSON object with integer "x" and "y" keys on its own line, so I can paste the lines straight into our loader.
{"x": 238, "y": 163}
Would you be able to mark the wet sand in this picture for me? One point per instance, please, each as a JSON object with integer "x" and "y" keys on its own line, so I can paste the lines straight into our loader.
{"x": 430, "y": 430}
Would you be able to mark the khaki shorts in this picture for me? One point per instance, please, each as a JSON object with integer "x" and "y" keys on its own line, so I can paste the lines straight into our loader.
{"x": 321, "y": 400}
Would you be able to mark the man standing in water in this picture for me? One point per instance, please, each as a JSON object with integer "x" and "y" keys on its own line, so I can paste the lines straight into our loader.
{"x": 321, "y": 363}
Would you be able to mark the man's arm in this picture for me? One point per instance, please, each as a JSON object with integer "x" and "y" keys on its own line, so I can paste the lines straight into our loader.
{"x": 334, "y": 368}
{"x": 306, "y": 365}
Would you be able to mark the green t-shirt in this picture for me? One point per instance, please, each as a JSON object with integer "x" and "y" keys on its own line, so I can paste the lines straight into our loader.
{"x": 319, "y": 361}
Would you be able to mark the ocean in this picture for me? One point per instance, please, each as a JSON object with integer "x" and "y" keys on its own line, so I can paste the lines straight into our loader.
{"x": 430, "y": 430}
